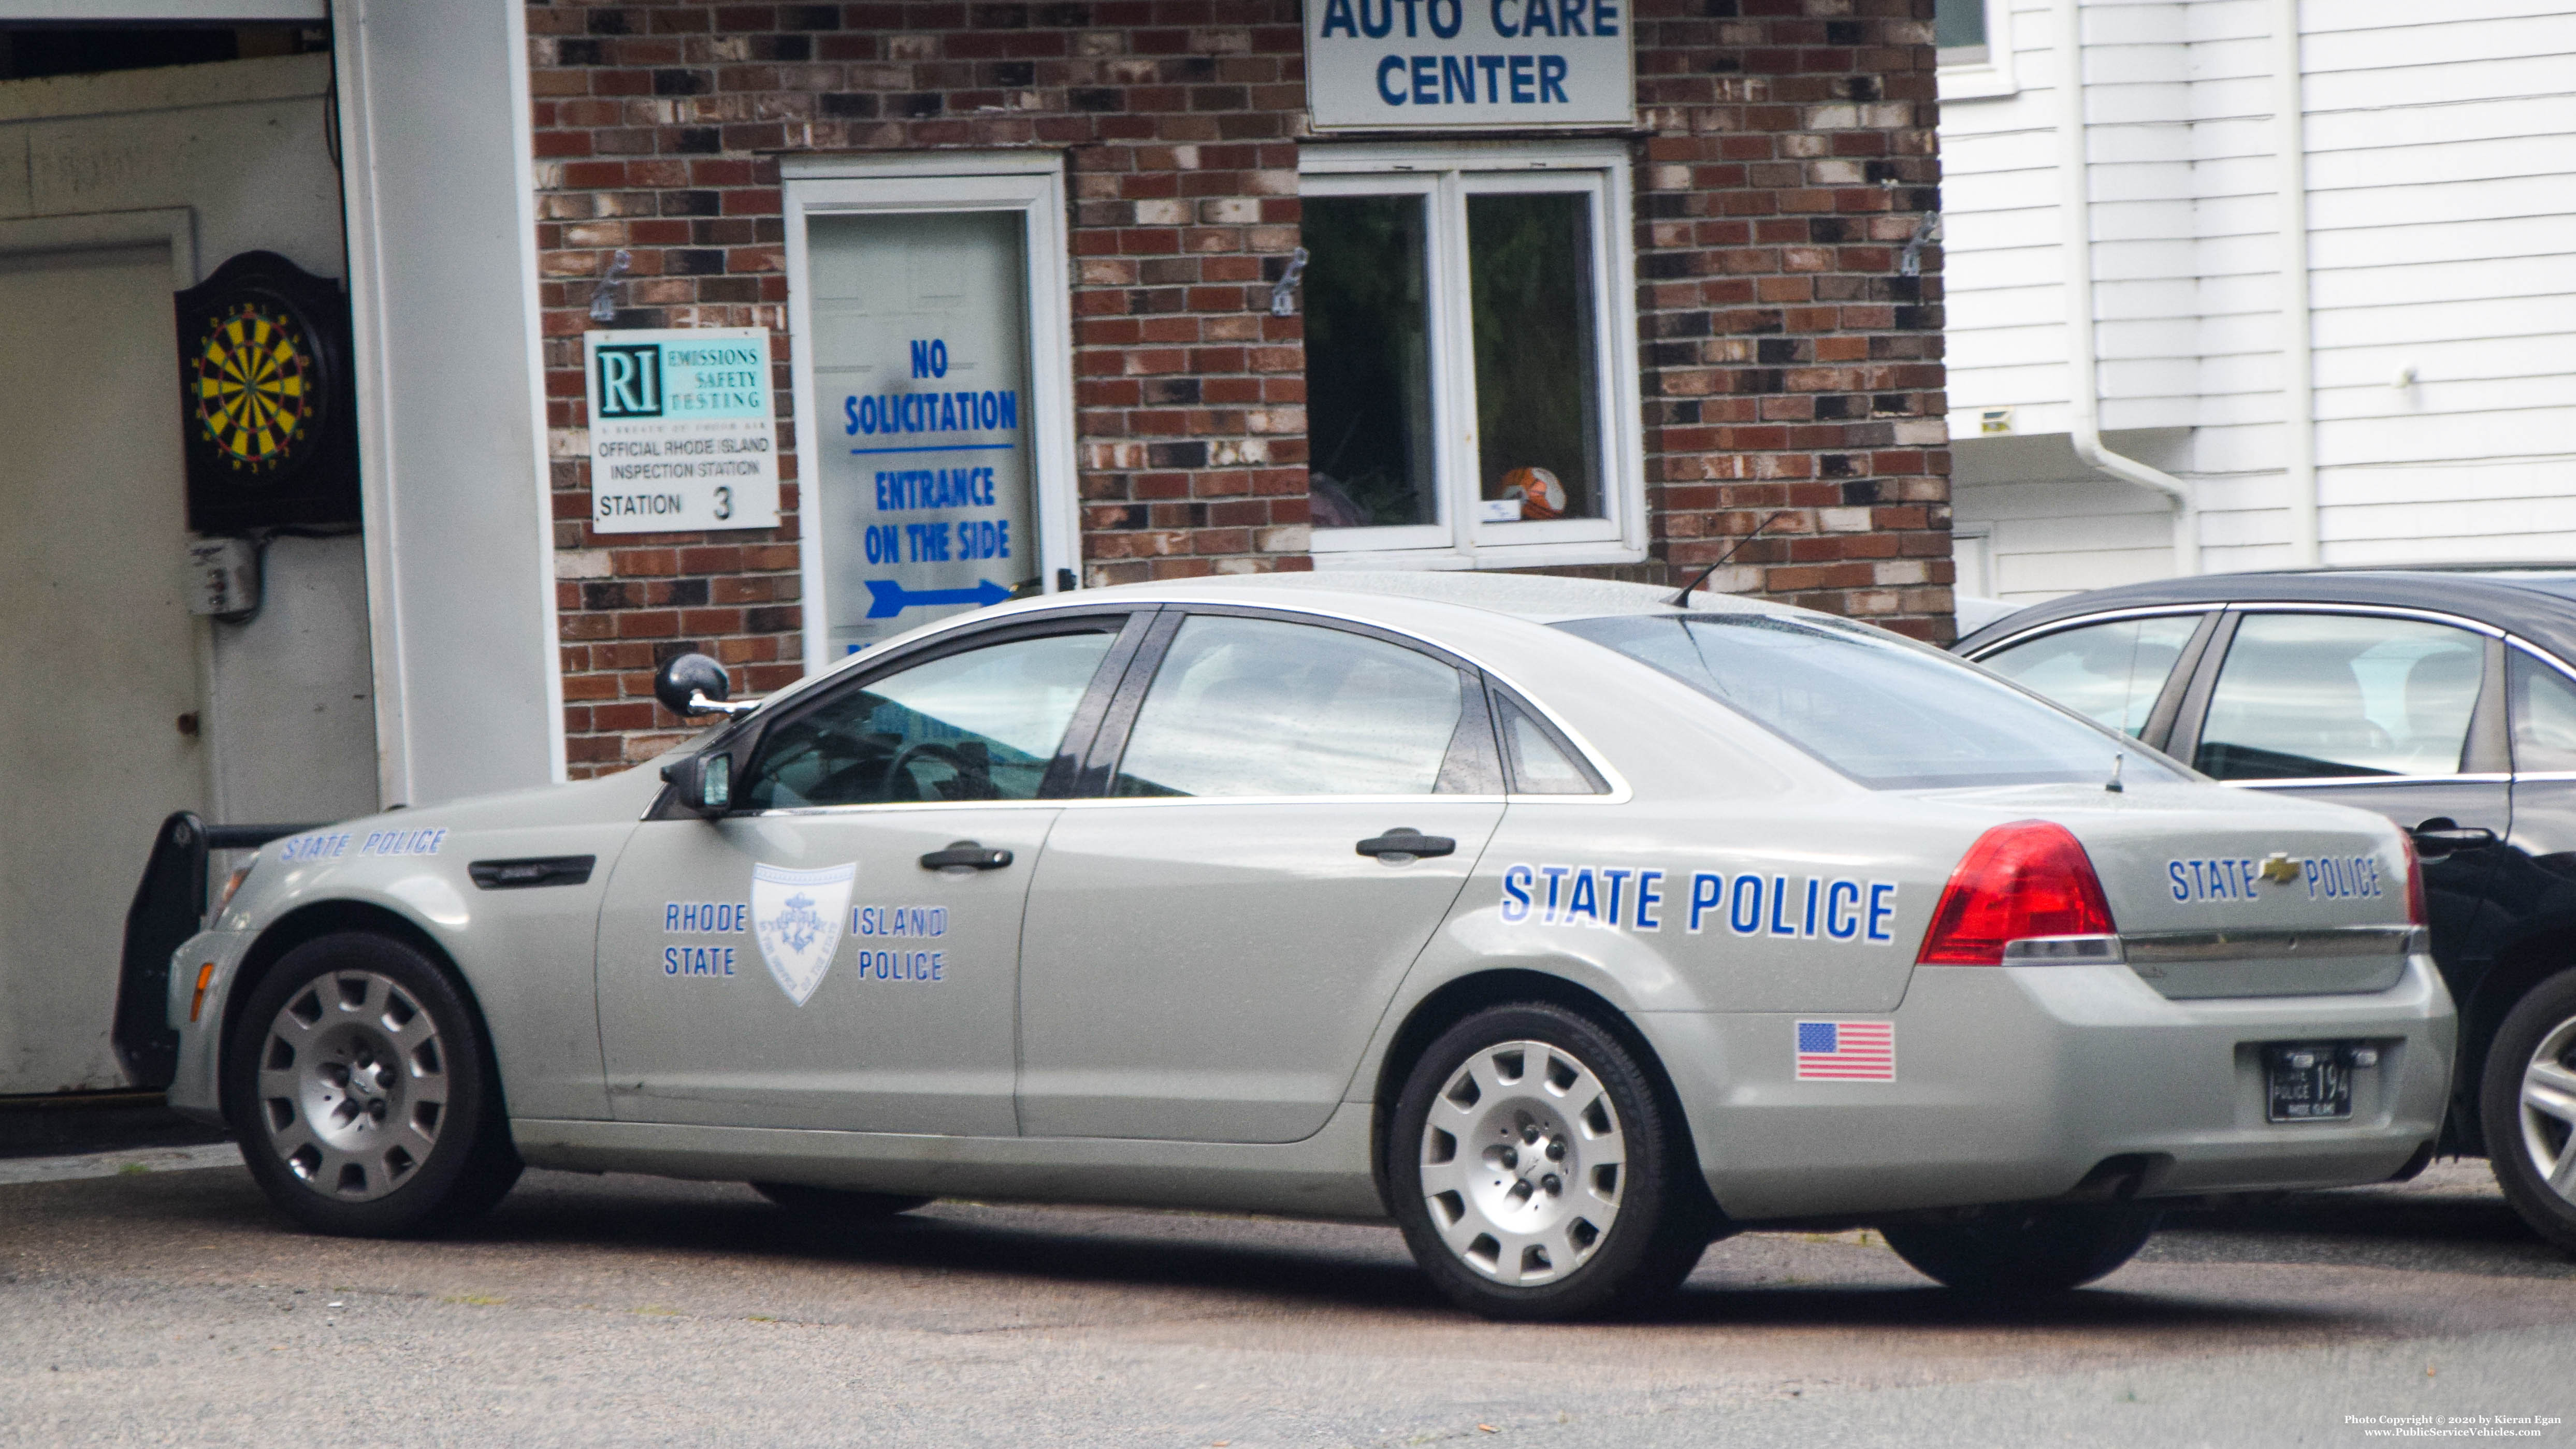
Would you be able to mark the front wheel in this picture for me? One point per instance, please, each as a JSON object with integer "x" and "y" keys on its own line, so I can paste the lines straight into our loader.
{"x": 2528, "y": 1106}
{"x": 2026, "y": 1253}
{"x": 1536, "y": 1173}
{"x": 359, "y": 1087}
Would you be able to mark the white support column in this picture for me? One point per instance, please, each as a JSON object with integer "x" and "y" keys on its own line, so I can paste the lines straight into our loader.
{"x": 438, "y": 183}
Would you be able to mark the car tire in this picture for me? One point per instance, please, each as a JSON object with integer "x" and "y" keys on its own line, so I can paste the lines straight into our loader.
{"x": 1537, "y": 1173}
{"x": 2527, "y": 1104}
{"x": 832, "y": 1204}
{"x": 2025, "y": 1253}
{"x": 365, "y": 1099}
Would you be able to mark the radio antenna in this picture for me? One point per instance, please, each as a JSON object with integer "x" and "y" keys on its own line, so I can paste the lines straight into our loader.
{"x": 1682, "y": 599}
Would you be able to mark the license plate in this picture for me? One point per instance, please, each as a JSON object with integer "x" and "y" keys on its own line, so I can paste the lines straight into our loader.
{"x": 2306, "y": 1082}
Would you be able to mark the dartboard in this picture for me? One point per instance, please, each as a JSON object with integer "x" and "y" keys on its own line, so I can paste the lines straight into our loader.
{"x": 255, "y": 385}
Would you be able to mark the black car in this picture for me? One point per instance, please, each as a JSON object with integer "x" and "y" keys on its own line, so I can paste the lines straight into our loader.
{"x": 2445, "y": 701}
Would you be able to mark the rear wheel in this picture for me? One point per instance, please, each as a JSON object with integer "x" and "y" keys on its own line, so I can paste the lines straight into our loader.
{"x": 1535, "y": 1172}
{"x": 2528, "y": 1106}
{"x": 358, "y": 1084}
{"x": 828, "y": 1204}
{"x": 2027, "y": 1252}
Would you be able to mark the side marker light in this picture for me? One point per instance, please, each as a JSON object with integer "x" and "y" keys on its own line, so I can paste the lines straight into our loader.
{"x": 205, "y": 977}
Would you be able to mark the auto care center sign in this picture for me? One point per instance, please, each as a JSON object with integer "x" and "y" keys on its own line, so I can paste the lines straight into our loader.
{"x": 1434, "y": 64}
{"x": 681, "y": 436}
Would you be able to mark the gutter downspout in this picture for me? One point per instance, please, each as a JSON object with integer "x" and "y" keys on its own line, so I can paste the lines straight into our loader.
{"x": 2298, "y": 366}
{"x": 2075, "y": 219}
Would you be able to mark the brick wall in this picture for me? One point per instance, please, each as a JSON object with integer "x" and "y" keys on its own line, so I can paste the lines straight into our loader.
{"x": 1793, "y": 376}
{"x": 657, "y": 131}
{"x": 1790, "y": 374}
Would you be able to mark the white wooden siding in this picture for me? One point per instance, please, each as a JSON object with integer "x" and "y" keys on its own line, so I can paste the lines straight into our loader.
{"x": 2441, "y": 175}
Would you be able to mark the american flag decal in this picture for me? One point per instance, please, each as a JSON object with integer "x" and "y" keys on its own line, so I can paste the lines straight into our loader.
{"x": 1846, "y": 1051}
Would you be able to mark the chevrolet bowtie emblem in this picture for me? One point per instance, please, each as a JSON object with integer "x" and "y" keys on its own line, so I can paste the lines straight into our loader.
{"x": 2279, "y": 868}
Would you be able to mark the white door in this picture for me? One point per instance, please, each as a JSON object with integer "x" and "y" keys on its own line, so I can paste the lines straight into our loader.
{"x": 98, "y": 643}
{"x": 920, "y": 339}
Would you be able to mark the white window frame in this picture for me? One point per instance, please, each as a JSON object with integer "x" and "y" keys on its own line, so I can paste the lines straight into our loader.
{"x": 1030, "y": 183}
{"x": 1445, "y": 175}
{"x": 1971, "y": 72}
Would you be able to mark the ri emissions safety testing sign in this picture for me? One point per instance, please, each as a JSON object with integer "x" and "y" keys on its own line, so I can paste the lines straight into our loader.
{"x": 1409, "y": 65}
{"x": 681, "y": 434}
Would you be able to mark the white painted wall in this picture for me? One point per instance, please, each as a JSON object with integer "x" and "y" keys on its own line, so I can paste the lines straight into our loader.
{"x": 115, "y": 191}
{"x": 443, "y": 281}
{"x": 2441, "y": 193}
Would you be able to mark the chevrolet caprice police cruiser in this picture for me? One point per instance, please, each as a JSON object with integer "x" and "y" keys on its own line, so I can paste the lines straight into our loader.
{"x": 1570, "y": 928}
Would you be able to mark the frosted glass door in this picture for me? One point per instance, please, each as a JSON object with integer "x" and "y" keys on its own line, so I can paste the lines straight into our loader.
{"x": 921, "y": 367}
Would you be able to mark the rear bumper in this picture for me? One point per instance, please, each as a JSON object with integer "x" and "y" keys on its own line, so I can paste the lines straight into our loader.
{"x": 2013, "y": 1083}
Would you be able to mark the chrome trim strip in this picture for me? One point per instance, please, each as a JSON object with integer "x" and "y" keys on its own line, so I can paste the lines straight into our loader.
{"x": 2543, "y": 655}
{"x": 2064, "y": 951}
{"x": 2242, "y": 606}
{"x": 2312, "y": 943}
{"x": 2392, "y": 611}
{"x": 2107, "y": 616}
{"x": 2347, "y": 780}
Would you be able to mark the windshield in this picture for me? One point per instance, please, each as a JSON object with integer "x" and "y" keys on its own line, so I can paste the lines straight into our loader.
{"x": 1889, "y": 715}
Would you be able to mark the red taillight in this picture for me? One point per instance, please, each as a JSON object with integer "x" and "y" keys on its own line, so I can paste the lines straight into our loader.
{"x": 2029, "y": 878}
{"x": 2414, "y": 881}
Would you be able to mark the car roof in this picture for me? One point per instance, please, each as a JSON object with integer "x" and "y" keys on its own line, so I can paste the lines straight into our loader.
{"x": 2536, "y": 602}
{"x": 1539, "y": 598}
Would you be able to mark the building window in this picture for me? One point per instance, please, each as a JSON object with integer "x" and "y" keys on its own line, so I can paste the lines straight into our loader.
{"x": 1974, "y": 38}
{"x": 1470, "y": 356}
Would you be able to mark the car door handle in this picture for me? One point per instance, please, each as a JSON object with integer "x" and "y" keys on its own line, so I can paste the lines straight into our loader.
{"x": 2441, "y": 835}
{"x": 968, "y": 854}
{"x": 1407, "y": 841}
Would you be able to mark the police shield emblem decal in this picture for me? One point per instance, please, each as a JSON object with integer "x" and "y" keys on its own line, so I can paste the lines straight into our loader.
{"x": 797, "y": 916}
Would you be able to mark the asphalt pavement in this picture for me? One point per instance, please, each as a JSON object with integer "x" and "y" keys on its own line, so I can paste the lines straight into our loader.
{"x": 155, "y": 1299}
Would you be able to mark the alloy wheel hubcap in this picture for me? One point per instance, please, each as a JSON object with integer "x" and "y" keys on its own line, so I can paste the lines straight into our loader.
{"x": 2549, "y": 1110}
{"x": 352, "y": 1085}
{"x": 1523, "y": 1163}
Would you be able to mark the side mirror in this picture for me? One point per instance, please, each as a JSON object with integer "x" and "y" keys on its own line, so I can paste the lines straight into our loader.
{"x": 690, "y": 684}
{"x": 704, "y": 783}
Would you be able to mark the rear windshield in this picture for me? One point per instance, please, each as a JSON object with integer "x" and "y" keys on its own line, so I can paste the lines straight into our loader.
{"x": 1888, "y": 714}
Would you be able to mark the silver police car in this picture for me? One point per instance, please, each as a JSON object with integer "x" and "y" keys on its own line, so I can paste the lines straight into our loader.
{"x": 1569, "y": 927}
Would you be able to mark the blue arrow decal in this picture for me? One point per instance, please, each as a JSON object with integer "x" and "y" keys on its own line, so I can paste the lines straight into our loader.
{"x": 886, "y": 598}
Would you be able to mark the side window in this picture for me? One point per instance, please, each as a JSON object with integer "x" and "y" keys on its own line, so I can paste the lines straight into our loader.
{"x": 1262, "y": 707}
{"x": 978, "y": 725}
{"x": 2108, "y": 673}
{"x": 2306, "y": 696}
{"x": 1541, "y": 766}
{"x": 2544, "y": 715}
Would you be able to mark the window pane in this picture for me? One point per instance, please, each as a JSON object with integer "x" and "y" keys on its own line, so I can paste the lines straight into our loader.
{"x": 1958, "y": 22}
{"x": 1538, "y": 766}
{"x": 2544, "y": 716}
{"x": 2108, "y": 673}
{"x": 1538, "y": 395}
{"x": 1886, "y": 713}
{"x": 2305, "y": 696}
{"x": 1368, "y": 366}
{"x": 982, "y": 725}
{"x": 1258, "y": 707}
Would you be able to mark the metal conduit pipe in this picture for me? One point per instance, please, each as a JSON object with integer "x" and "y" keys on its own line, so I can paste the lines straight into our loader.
{"x": 2298, "y": 365}
{"x": 2075, "y": 218}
